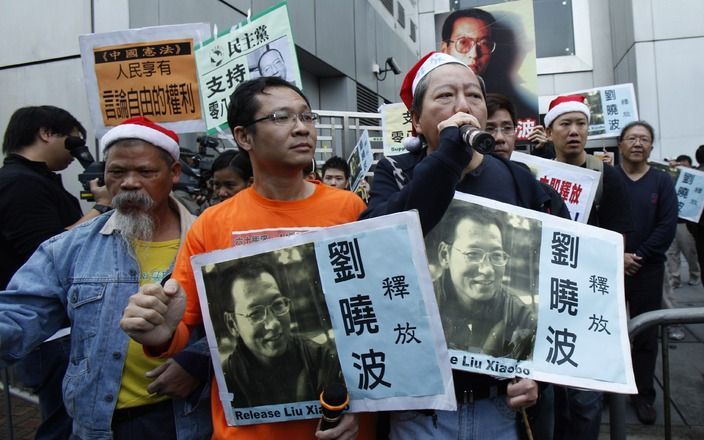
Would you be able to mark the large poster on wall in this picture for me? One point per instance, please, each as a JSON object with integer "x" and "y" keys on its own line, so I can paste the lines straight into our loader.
{"x": 498, "y": 43}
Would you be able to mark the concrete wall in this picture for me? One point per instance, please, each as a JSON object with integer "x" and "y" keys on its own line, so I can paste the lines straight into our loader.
{"x": 39, "y": 60}
{"x": 337, "y": 41}
{"x": 661, "y": 52}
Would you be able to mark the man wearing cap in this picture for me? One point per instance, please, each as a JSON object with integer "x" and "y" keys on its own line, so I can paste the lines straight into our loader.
{"x": 578, "y": 414}
{"x": 442, "y": 94}
{"x": 272, "y": 122}
{"x": 86, "y": 275}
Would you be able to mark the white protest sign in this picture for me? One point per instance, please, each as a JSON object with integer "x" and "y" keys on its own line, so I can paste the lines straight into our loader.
{"x": 526, "y": 294}
{"x": 576, "y": 185}
{"x": 148, "y": 72}
{"x": 350, "y": 303}
{"x": 360, "y": 160}
{"x": 611, "y": 108}
{"x": 262, "y": 46}
{"x": 689, "y": 187}
{"x": 395, "y": 125}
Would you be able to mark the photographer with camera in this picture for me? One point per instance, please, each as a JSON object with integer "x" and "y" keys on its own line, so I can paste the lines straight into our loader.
{"x": 34, "y": 206}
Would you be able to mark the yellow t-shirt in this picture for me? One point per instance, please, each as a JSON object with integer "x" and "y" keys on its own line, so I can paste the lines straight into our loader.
{"x": 154, "y": 260}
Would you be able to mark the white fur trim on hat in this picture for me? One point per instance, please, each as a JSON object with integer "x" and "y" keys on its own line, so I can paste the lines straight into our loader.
{"x": 411, "y": 143}
{"x": 136, "y": 131}
{"x": 433, "y": 62}
{"x": 565, "y": 107}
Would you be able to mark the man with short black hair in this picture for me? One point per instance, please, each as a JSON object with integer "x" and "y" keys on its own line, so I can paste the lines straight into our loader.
{"x": 654, "y": 205}
{"x": 34, "y": 206}
{"x": 272, "y": 122}
{"x": 269, "y": 364}
{"x": 578, "y": 413}
{"x": 479, "y": 314}
{"x": 336, "y": 173}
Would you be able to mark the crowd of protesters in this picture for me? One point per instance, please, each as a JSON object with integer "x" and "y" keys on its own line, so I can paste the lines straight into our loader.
{"x": 106, "y": 301}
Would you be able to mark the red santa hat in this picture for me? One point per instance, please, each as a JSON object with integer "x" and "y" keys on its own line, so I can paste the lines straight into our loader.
{"x": 422, "y": 68}
{"x": 566, "y": 104}
{"x": 142, "y": 128}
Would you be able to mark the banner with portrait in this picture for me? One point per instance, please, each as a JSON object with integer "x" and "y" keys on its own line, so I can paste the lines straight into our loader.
{"x": 262, "y": 46}
{"x": 576, "y": 185}
{"x": 611, "y": 108}
{"x": 689, "y": 187}
{"x": 148, "y": 72}
{"x": 498, "y": 43}
{"x": 526, "y": 294}
{"x": 350, "y": 304}
{"x": 360, "y": 160}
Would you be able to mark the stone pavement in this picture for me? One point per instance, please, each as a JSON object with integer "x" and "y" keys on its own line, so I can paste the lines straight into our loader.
{"x": 25, "y": 418}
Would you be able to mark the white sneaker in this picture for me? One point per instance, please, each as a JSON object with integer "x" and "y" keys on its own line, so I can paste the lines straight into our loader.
{"x": 675, "y": 333}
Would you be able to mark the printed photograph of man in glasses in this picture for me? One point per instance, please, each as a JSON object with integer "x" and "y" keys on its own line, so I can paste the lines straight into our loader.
{"x": 497, "y": 42}
{"x": 274, "y": 335}
{"x": 487, "y": 285}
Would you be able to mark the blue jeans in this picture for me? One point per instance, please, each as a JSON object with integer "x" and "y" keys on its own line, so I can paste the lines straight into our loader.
{"x": 42, "y": 370}
{"x": 484, "y": 419}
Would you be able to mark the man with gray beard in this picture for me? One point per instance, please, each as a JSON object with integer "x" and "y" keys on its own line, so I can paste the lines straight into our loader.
{"x": 111, "y": 389}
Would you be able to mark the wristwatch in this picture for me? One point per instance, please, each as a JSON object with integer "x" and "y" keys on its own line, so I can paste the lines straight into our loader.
{"x": 102, "y": 208}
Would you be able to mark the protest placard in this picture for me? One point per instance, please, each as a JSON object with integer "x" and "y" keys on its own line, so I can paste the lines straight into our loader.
{"x": 147, "y": 72}
{"x": 501, "y": 49}
{"x": 262, "y": 46}
{"x": 689, "y": 187}
{"x": 287, "y": 316}
{"x": 526, "y": 294}
{"x": 576, "y": 185}
{"x": 360, "y": 160}
{"x": 395, "y": 125}
{"x": 611, "y": 109}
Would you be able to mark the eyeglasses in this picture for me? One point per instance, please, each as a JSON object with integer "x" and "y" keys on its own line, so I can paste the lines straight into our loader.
{"x": 506, "y": 130}
{"x": 477, "y": 256}
{"x": 279, "y": 307}
{"x": 644, "y": 140}
{"x": 465, "y": 44}
{"x": 283, "y": 117}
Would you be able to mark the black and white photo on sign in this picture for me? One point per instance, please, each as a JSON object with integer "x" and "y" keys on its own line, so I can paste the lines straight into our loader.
{"x": 273, "y": 59}
{"x": 272, "y": 327}
{"x": 484, "y": 264}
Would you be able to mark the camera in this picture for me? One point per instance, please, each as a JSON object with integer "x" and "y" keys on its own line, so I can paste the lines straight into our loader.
{"x": 91, "y": 168}
{"x": 196, "y": 167}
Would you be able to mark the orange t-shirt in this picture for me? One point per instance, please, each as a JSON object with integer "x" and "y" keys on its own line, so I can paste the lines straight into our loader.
{"x": 213, "y": 230}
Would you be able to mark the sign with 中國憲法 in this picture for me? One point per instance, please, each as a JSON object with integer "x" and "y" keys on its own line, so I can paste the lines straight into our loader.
{"x": 148, "y": 72}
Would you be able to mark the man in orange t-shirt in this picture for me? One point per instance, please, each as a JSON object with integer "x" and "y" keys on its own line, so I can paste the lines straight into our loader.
{"x": 271, "y": 122}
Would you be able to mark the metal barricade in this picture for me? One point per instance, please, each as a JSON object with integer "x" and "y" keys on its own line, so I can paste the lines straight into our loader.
{"x": 662, "y": 318}
{"x": 338, "y": 133}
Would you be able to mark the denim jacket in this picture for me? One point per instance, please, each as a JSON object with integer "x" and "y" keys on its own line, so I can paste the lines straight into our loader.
{"x": 87, "y": 274}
